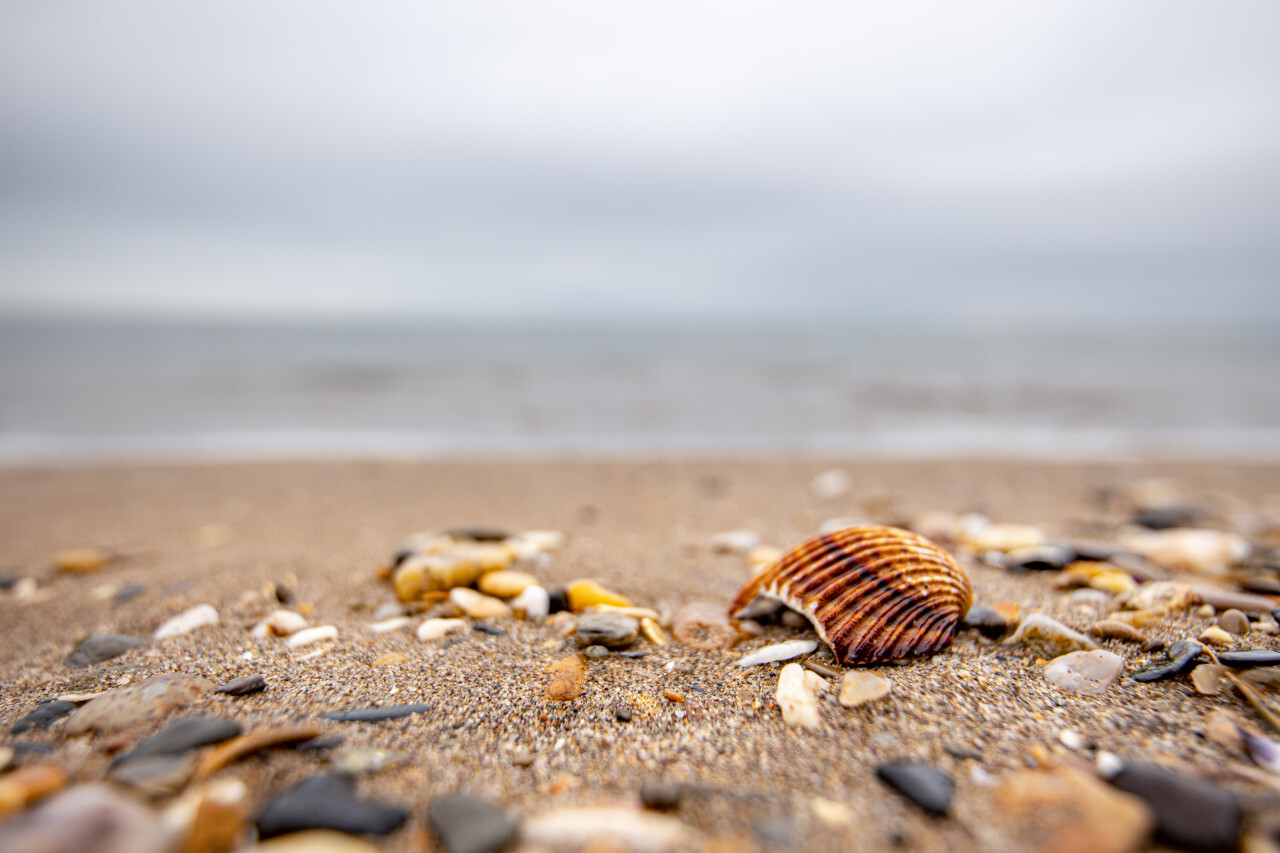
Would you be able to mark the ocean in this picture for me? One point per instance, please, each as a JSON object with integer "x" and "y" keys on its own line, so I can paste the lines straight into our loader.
{"x": 71, "y": 391}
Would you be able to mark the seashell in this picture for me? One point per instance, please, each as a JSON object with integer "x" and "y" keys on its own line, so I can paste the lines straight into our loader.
{"x": 872, "y": 593}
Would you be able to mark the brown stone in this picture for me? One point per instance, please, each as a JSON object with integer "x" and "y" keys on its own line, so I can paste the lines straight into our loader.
{"x": 28, "y": 784}
{"x": 122, "y": 707}
{"x": 82, "y": 560}
{"x": 568, "y": 675}
{"x": 1068, "y": 810}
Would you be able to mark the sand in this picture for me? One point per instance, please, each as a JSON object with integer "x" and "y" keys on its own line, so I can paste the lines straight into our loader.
{"x": 218, "y": 534}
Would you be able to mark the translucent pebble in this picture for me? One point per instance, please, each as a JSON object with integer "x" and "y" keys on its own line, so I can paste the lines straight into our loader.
{"x": 859, "y": 687}
{"x": 1038, "y": 629}
{"x": 795, "y": 698}
{"x": 533, "y": 603}
{"x": 779, "y": 651}
{"x": 1084, "y": 672}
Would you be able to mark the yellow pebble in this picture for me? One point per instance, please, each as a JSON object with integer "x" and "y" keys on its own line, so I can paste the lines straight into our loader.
{"x": 584, "y": 594}
{"x": 505, "y": 583}
{"x": 652, "y": 632}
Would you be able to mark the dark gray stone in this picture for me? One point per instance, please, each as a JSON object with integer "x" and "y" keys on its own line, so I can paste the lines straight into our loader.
{"x": 1041, "y": 558}
{"x": 8, "y": 581}
{"x": 1182, "y": 659}
{"x": 128, "y": 593}
{"x": 559, "y": 597}
{"x": 491, "y": 630}
{"x": 1191, "y": 813}
{"x": 1249, "y": 658}
{"x": 101, "y": 647}
{"x": 1167, "y": 517}
{"x": 245, "y": 685}
{"x": 622, "y": 713}
{"x": 469, "y": 824}
{"x": 478, "y": 534}
{"x": 660, "y": 796}
{"x": 925, "y": 786}
{"x": 327, "y": 802}
{"x": 611, "y": 630}
{"x": 43, "y": 715}
{"x": 154, "y": 775}
{"x": 986, "y": 621}
{"x": 182, "y": 735}
{"x": 373, "y": 715}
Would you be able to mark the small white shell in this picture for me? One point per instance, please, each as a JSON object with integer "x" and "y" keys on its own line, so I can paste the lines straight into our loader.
{"x": 312, "y": 635}
{"x": 779, "y": 651}
{"x": 187, "y": 621}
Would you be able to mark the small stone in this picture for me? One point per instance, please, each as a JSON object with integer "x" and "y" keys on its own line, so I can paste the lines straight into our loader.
{"x": 309, "y": 636}
{"x": 27, "y": 785}
{"x": 558, "y": 599}
{"x": 237, "y": 748}
{"x": 86, "y": 819}
{"x": 281, "y": 623}
{"x": 734, "y": 541}
{"x": 1004, "y": 537}
{"x": 652, "y": 631}
{"x": 831, "y": 812}
{"x": 1208, "y": 552}
{"x": 1234, "y": 622}
{"x": 124, "y": 706}
{"x": 360, "y": 760}
{"x": 1084, "y": 672}
{"x": 1039, "y": 558}
{"x": 1189, "y": 812}
{"x": 128, "y": 592}
{"x": 704, "y": 626}
{"x": 200, "y": 616}
{"x": 373, "y": 715}
{"x": 831, "y": 483}
{"x": 858, "y": 687}
{"x": 1248, "y": 658}
{"x": 673, "y": 696}
{"x": 1066, "y": 810}
{"x": 245, "y": 685}
{"x": 1225, "y": 599}
{"x": 389, "y": 659}
{"x": 608, "y": 828}
{"x": 1040, "y": 630}
{"x": 470, "y": 824}
{"x": 182, "y": 735}
{"x": 478, "y": 605}
{"x": 386, "y": 626}
{"x": 313, "y": 841}
{"x": 1111, "y": 629}
{"x": 327, "y": 802}
{"x": 986, "y": 620}
{"x": 924, "y": 785}
{"x": 99, "y": 648}
{"x": 596, "y": 652}
{"x": 1207, "y": 678}
{"x": 506, "y": 583}
{"x": 214, "y": 816}
{"x": 1161, "y": 597}
{"x": 585, "y": 593}
{"x": 1071, "y": 739}
{"x": 43, "y": 715}
{"x": 80, "y": 561}
{"x": 388, "y": 610}
{"x": 822, "y": 669}
{"x": 659, "y": 796}
{"x": 533, "y": 603}
{"x": 567, "y": 677}
{"x": 1181, "y": 655}
{"x": 491, "y": 630}
{"x": 779, "y": 652}
{"x": 611, "y": 630}
{"x": 434, "y": 629}
{"x": 1215, "y": 636}
{"x": 154, "y": 775}
{"x": 622, "y": 713}
{"x": 795, "y": 697}
{"x": 522, "y": 758}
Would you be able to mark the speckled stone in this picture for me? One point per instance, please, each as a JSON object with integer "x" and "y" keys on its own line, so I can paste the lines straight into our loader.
{"x": 124, "y": 706}
{"x": 611, "y": 630}
{"x": 101, "y": 647}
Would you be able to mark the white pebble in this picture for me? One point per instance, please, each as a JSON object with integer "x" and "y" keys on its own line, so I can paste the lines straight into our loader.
{"x": 616, "y": 827}
{"x": 534, "y": 602}
{"x": 779, "y": 651}
{"x": 1084, "y": 672}
{"x": 734, "y": 541}
{"x": 1109, "y": 764}
{"x": 1070, "y": 739}
{"x": 795, "y": 698}
{"x": 393, "y": 624}
{"x": 312, "y": 635}
{"x": 434, "y": 629}
{"x": 281, "y": 623}
{"x": 187, "y": 621}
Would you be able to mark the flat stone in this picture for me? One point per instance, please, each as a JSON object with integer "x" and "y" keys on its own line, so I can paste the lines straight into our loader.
{"x": 154, "y": 775}
{"x": 1167, "y": 517}
{"x": 1225, "y": 599}
{"x": 128, "y": 592}
{"x": 468, "y": 824}
{"x": 86, "y": 819}
{"x": 434, "y": 629}
{"x": 1066, "y": 810}
{"x": 308, "y": 636}
{"x": 1234, "y": 622}
{"x": 611, "y": 630}
{"x": 986, "y": 620}
{"x": 101, "y": 647}
{"x": 1182, "y": 659}
{"x": 926, "y": 786}
{"x": 1041, "y": 558}
{"x": 1249, "y": 658}
{"x": 359, "y": 760}
{"x": 1189, "y": 812}
{"x": 612, "y": 828}
{"x": 505, "y": 583}
{"x": 245, "y": 685}
{"x": 182, "y": 735}
{"x": 124, "y": 706}
{"x": 373, "y": 715}
{"x": 43, "y": 715}
{"x": 1112, "y": 629}
{"x": 477, "y": 605}
{"x": 1084, "y": 672}
{"x": 859, "y": 687}
{"x": 327, "y": 802}
{"x": 567, "y": 677}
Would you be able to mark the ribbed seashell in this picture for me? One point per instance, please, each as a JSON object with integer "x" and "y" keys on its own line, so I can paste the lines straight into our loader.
{"x": 872, "y": 593}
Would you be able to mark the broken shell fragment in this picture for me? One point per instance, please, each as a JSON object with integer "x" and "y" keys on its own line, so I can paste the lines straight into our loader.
{"x": 795, "y": 698}
{"x": 872, "y": 593}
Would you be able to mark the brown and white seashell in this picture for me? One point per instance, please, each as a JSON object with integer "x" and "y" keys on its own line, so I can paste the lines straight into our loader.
{"x": 872, "y": 593}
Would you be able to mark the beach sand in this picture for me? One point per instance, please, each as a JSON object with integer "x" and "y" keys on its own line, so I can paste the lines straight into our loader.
{"x": 219, "y": 533}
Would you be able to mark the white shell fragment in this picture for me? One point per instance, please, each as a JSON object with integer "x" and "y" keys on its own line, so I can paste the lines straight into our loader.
{"x": 434, "y": 629}
{"x": 533, "y": 603}
{"x": 1084, "y": 672}
{"x": 395, "y": 623}
{"x": 281, "y": 623}
{"x": 312, "y": 635}
{"x": 795, "y": 698}
{"x": 187, "y": 621}
{"x": 1042, "y": 630}
{"x": 779, "y": 651}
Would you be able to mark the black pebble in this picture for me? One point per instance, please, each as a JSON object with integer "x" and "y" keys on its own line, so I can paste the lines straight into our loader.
{"x": 1182, "y": 659}
{"x": 320, "y": 744}
{"x": 284, "y": 595}
{"x": 400, "y": 556}
{"x": 1249, "y": 658}
{"x": 559, "y": 596}
{"x": 327, "y": 802}
{"x": 373, "y": 715}
{"x": 43, "y": 715}
{"x": 8, "y": 581}
{"x": 660, "y": 796}
{"x": 1191, "y": 813}
{"x": 632, "y": 655}
{"x": 181, "y": 735}
{"x": 244, "y": 685}
{"x": 489, "y": 629}
{"x": 101, "y": 647}
{"x": 1166, "y": 517}
{"x": 925, "y": 786}
{"x": 467, "y": 824}
{"x": 622, "y": 714}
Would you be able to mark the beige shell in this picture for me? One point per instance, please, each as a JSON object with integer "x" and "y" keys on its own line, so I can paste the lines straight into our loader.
{"x": 872, "y": 593}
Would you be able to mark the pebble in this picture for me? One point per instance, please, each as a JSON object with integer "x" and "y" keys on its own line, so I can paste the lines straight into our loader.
{"x": 622, "y": 713}
{"x": 373, "y": 715}
{"x": 1248, "y": 658}
{"x": 1040, "y": 558}
{"x": 386, "y": 626}
{"x": 1004, "y": 537}
{"x": 1112, "y": 629}
{"x": 1225, "y": 599}
{"x": 558, "y": 599}
{"x": 313, "y": 841}
{"x": 1067, "y": 810}
{"x": 1215, "y": 636}
{"x": 243, "y": 686}
{"x": 596, "y": 652}
{"x": 359, "y": 760}
{"x": 477, "y": 534}
{"x": 1181, "y": 655}
{"x": 763, "y": 556}
{"x": 652, "y": 631}
{"x": 1189, "y": 812}
{"x": 327, "y": 802}
{"x": 703, "y": 625}
{"x": 237, "y": 748}
{"x": 1207, "y": 678}
{"x": 823, "y": 669}
{"x": 200, "y": 616}
{"x": 82, "y": 560}
{"x": 1038, "y": 629}
{"x": 1071, "y": 739}
{"x": 986, "y": 620}
{"x": 831, "y": 483}
{"x": 477, "y": 605}
{"x": 183, "y": 734}
{"x": 211, "y": 818}
{"x": 859, "y": 687}
{"x": 566, "y": 679}
{"x": 1234, "y": 622}
{"x": 926, "y": 786}
{"x": 154, "y": 775}
{"x": 1207, "y": 552}
{"x": 43, "y": 715}
{"x": 101, "y": 647}
{"x": 584, "y": 594}
{"x": 533, "y": 603}
{"x": 796, "y": 699}
{"x": 124, "y": 706}
{"x": 281, "y": 623}
{"x": 434, "y": 629}
{"x": 491, "y": 630}
{"x": 611, "y": 630}
{"x": 505, "y": 583}
{"x": 128, "y": 592}
{"x": 309, "y": 636}
{"x": 608, "y": 828}
{"x": 659, "y": 796}
{"x": 779, "y": 651}
{"x": 469, "y": 824}
{"x": 734, "y": 541}
{"x": 1084, "y": 672}
{"x": 92, "y": 818}
{"x": 26, "y": 785}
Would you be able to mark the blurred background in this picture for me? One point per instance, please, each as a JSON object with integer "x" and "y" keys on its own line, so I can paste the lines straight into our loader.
{"x": 311, "y": 228}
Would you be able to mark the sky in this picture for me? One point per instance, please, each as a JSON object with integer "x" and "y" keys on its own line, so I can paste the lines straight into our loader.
{"x": 988, "y": 163}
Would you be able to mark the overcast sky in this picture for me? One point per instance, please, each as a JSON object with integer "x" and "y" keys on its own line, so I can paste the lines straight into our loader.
{"x": 992, "y": 162}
